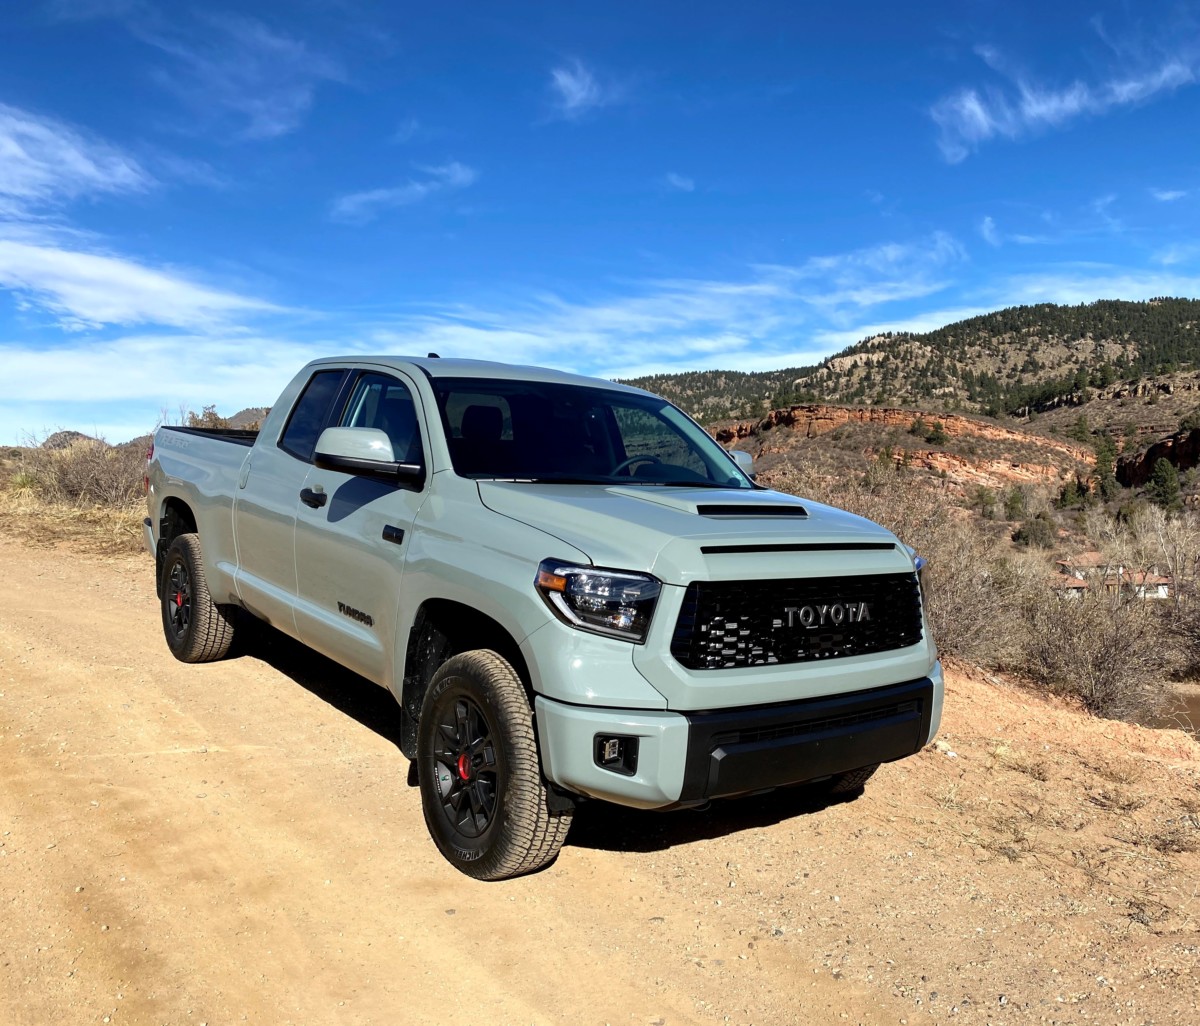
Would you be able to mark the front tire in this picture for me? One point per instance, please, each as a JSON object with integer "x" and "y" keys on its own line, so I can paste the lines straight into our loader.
{"x": 485, "y": 803}
{"x": 196, "y": 628}
{"x": 852, "y": 783}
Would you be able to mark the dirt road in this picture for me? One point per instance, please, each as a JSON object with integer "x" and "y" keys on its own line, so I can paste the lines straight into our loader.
{"x": 237, "y": 843}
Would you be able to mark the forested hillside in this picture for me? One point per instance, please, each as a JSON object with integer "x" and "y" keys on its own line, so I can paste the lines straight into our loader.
{"x": 1010, "y": 361}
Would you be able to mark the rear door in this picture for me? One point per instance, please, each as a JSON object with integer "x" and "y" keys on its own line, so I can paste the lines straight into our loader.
{"x": 352, "y": 533}
{"x": 265, "y": 501}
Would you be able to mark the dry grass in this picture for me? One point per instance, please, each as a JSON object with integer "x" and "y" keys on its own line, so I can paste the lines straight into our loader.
{"x": 87, "y": 494}
{"x": 1116, "y": 801}
{"x": 100, "y": 529}
{"x": 1172, "y": 837}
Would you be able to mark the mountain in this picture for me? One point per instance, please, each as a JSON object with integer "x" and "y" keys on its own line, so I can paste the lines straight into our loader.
{"x": 1018, "y": 360}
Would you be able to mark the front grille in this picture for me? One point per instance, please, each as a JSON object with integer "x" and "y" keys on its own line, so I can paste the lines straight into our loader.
{"x": 726, "y": 624}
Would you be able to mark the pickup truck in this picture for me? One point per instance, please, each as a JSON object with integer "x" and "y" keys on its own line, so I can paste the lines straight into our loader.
{"x": 572, "y": 591}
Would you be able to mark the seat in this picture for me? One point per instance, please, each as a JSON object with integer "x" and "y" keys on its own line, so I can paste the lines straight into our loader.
{"x": 477, "y": 451}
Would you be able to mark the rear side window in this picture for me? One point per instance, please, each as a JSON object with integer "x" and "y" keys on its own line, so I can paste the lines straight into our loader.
{"x": 310, "y": 414}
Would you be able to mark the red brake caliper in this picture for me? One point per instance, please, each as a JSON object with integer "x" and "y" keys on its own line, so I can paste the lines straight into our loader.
{"x": 464, "y": 767}
{"x": 178, "y": 598}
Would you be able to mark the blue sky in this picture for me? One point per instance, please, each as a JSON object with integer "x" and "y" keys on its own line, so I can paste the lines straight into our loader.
{"x": 195, "y": 199}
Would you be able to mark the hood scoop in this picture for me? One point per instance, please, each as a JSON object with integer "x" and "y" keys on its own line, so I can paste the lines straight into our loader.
{"x": 757, "y": 510}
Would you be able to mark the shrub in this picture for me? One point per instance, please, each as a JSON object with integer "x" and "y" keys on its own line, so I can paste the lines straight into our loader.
{"x": 984, "y": 499}
{"x": 207, "y": 418}
{"x": 1037, "y": 532}
{"x": 1109, "y": 655}
{"x": 86, "y": 472}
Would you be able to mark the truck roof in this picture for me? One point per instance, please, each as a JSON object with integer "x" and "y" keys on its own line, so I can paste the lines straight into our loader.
{"x": 436, "y": 367}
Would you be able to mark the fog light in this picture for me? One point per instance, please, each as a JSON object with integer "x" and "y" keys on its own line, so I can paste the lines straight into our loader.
{"x": 616, "y": 752}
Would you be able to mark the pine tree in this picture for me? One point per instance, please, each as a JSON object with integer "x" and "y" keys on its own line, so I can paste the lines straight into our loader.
{"x": 1163, "y": 489}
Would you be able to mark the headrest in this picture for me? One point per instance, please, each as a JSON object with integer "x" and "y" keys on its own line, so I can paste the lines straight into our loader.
{"x": 482, "y": 423}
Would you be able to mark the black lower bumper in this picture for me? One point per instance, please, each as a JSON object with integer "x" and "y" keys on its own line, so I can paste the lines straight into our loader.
{"x": 735, "y": 751}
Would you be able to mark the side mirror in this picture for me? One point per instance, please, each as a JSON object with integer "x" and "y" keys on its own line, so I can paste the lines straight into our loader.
{"x": 364, "y": 451}
{"x": 744, "y": 461}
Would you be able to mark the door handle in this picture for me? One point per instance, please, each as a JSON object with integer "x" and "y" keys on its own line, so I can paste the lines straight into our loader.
{"x": 314, "y": 499}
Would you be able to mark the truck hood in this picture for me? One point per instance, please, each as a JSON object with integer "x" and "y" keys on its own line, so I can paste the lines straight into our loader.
{"x": 682, "y": 534}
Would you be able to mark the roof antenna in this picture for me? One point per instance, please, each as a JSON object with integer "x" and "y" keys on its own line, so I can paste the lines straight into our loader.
{"x": 434, "y": 356}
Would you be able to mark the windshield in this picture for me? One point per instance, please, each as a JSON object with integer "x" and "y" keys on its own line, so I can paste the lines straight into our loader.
{"x": 540, "y": 431}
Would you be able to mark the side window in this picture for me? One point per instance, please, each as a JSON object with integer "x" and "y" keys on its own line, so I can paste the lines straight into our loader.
{"x": 310, "y": 414}
{"x": 379, "y": 401}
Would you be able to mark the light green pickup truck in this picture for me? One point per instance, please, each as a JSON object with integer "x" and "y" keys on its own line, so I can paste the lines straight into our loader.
{"x": 569, "y": 587}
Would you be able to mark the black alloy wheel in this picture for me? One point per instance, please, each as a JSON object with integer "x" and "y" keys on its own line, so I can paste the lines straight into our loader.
{"x": 178, "y": 608}
{"x": 466, "y": 766}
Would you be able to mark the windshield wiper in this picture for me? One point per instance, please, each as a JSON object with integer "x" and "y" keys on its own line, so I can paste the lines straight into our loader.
{"x": 697, "y": 484}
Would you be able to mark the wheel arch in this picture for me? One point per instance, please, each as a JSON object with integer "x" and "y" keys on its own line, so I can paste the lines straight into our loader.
{"x": 175, "y": 517}
{"x": 443, "y": 628}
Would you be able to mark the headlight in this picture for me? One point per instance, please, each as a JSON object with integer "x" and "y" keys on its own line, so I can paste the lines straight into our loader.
{"x": 615, "y": 603}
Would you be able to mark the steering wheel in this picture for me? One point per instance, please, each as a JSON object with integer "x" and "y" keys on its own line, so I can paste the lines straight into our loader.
{"x": 626, "y": 464}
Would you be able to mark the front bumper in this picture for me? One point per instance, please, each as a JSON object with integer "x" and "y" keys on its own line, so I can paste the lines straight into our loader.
{"x": 688, "y": 758}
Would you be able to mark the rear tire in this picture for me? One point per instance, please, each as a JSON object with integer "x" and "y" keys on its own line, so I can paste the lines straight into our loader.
{"x": 196, "y": 628}
{"x": 485, "y": 803}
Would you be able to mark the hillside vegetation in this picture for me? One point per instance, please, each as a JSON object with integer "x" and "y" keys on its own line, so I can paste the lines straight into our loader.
{"x": 1012, "y": 361}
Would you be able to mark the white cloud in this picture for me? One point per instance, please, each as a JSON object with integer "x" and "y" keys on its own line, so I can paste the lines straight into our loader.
{"x": 969, "y": 117}
{"x": 230, "y": 69}
{"x": 1168, "y": 195}
{"x": 406, "y": 131}
{"x": 234, "y": 66}
{"x": 119, "y": 388}
{"x": 841, "y": 285}
{"x": 1177, "y": 253}
{"x": 575, "y": 90}
{"x": 361, "y": 207}
{"x": 83, "y": 289}
{"x": 831, "y": 341}
{"x": 1088, "y": 283}
{"x": 773, "y": 317}
{"x": 688, "y": 323}
{"x": 679, "y": 182}
{"x": 44, "y": 163}
{"x": 991, "y": 235}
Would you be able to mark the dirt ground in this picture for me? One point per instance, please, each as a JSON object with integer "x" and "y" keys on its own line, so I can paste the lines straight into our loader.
{"x": 237, "y": 843}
